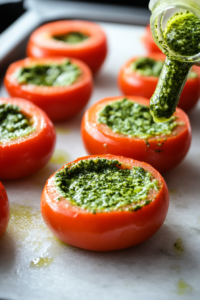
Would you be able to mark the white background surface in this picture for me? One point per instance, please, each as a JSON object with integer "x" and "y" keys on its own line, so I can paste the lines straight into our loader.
{"x": 152, "y": 270}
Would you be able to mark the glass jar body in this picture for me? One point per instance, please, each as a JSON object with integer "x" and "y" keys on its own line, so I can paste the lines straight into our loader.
{"x": 162, "y": 11}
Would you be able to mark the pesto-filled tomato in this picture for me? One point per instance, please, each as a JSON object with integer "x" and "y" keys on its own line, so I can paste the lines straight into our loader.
{"x": 148, "y": 41}
{"x": 124, "y": 126}
{"x": 61, "y": 87}
{"x": 140, "y": 82}
{"x": 79, "y": 39}
{"x": 104, "y": 202}
{"x": 4, "y": 210}
{"x": 27, "y": 138}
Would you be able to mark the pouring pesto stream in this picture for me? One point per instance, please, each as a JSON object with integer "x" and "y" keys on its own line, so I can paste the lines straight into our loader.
{"x": 175, "y": 26}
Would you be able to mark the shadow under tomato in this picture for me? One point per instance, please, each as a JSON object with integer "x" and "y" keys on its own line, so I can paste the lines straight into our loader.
{"x": 105, "y": 80}
{"x": 48, "y": 170}
{"x": 72, "y": 123}
{"x": 7, "y": 253}
{"x": 185, "y": 179}
{"x": 194, "y": 116}
{"x": 41, "y": 176}
{"x": 156, "y": 252}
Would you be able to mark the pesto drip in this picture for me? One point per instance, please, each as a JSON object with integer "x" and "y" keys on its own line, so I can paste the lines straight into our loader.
{"x": 13, "y": 124}
{"x": 168, "y": 90}
{"x": 134, "y": 120}
{"x": 181, "y": 36}
{"x": 71, "y": 37}
{"x": 63, "y": 74}
{"x": 100, "y": 185}
{"x": 146, "y": 66}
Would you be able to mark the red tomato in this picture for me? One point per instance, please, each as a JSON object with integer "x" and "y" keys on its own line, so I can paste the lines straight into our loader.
{"x": 92, "y": 50}
{"x": 148, "y": 41}
{"x": 59, "y": 102}
{"x": 132, "y": 83}
{"x": 162, "y": 153}
{"x": 104, "y": 231}
{"x": 4, "y": 210}
{"x": 25, "y": 155}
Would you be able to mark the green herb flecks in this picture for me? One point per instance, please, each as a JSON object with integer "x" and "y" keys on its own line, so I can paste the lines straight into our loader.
{"x": 100, "y": 185}
{"x": 133, "y": 119}
{"x": 13, "y": 124}
{"x": 63, "y": 74}
{"x": 72, "y": 37}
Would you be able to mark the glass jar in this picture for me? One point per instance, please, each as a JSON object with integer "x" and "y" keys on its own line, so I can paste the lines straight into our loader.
{"x": 162, "y": 11}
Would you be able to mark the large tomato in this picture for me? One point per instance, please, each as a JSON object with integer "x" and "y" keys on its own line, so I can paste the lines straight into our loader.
{"x": 92, "y": 50}
{"x": 25, "y": 155}
{"x": 104, "y": 231}
{"x": 163, "y": 153}
{"x": 132, "y": 83}
{"x": 59, "y": 102}
{"x": 4, "y": 210}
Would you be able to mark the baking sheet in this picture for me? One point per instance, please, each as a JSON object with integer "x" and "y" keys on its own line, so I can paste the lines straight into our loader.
{"x": 35, "y": 265}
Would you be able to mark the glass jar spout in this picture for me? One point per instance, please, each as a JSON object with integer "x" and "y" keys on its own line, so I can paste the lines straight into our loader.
{"x": 162, "y": 11}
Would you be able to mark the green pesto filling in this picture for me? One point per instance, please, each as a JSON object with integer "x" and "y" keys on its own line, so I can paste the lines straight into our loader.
{"x": 182, "y": 35}
{"x": 99, "y": 185}
{"x": 146, "y": 66}
{"x": 133, "y": 119}
{"x": 13, "y": 124}
{"x": 72, "y": 37}
{"x": 63, "y": 74}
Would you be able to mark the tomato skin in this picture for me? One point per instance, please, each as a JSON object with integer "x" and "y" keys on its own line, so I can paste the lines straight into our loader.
{"x": 92, "y": 51}
{"x": 105, "y": 231}
{"x": 99, "y": 138}
{"x": 148, "y": 41}
{"x": 134, "y": 84}
{"x": 26, "y": 155}
{"x": 58, "y": 102}
{"x": 4, "y": 210}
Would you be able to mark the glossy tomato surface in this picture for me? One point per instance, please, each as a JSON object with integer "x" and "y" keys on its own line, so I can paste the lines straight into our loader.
{"x": 104, "y": 231}
{"x": 59, "y": 102}
{"x": 163, "y": 153}
{"x": 25, "y": 155}
{"x": 92, "y": 50}
{"x": 148, "y": 41}
{"x": 132, "y": 83}
{"x": 4, "y": 210}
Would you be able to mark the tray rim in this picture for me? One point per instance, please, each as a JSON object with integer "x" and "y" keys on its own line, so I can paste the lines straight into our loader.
{"x": 30, "y": 20}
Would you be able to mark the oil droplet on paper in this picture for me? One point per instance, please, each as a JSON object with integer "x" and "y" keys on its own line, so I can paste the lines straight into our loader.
{"x": 62, "y": 130}
{"x": 21, "y": 219}
{"x": 40, "y": 262}
{"x": 179, "y": 247}
{"x": 29, "y": 231}
{"x": 60, "y": 157}
{"x": 183, "y": 287}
